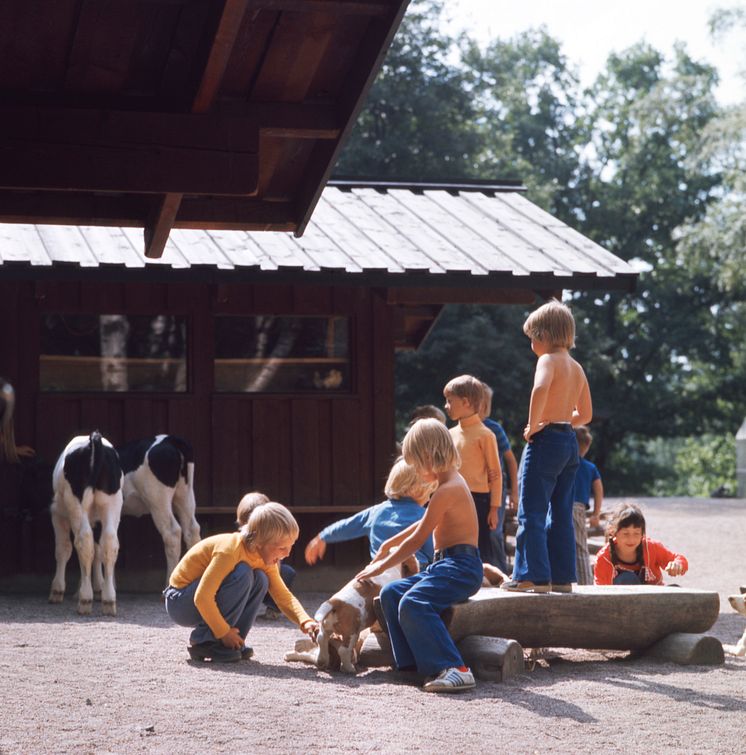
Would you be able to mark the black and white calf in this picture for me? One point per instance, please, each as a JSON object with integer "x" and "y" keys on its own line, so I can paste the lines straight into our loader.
{"x": 159, "y": 480}
{"x": 87, "y": 483}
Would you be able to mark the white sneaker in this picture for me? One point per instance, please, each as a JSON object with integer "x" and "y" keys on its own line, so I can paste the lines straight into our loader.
{"x": 451, "y": 680}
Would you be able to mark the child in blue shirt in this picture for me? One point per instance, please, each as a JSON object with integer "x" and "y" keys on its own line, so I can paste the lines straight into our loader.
{"x": 587, "y": 482}
{"x": 406, "y": 496}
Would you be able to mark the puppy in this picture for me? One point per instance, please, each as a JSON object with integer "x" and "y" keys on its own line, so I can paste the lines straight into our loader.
{"x": 343, "y": 618}
{"x": 738, "y": 602}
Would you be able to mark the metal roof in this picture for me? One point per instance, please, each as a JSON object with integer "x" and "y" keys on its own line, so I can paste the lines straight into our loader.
{"x": 390, "y": 234}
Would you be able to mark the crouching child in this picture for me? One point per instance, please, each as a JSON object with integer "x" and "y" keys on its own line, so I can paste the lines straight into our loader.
{"x": 219, "y": 584}
{"x": 412, "y": 606}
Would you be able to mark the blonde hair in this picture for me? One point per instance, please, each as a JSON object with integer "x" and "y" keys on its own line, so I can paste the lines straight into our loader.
{"x": 267, "y": 523}
{"x": 429, "y": 445}
{"x": 427, "y": 411}
{"x": 466, "y": 387}
{"x": 7, "y": 435}
{"x": 247, "y": 504}
{"x": 485, "y": 408}
{"x": 404, "y": 482}
{"x": 584, "y": 437}
{"x": 552, "y": 323}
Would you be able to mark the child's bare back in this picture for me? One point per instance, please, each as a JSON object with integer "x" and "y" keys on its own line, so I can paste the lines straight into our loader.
{"x": 453, "y": 506}
{"x": 566, "y": 388}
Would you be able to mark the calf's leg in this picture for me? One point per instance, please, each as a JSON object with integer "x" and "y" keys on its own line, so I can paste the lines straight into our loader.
{"x": 63, "y": 549}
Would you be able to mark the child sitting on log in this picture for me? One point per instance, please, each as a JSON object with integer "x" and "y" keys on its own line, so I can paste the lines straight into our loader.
{"x": 630, "y": 557}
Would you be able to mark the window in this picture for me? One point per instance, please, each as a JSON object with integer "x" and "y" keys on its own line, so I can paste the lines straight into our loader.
{"x": 279, "y": 354}
{"x": 113, "y": 353}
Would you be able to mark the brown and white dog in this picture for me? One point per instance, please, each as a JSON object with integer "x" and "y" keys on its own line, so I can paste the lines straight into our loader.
{"x": 343, "y": 617}
{"x": 738, "y": 603}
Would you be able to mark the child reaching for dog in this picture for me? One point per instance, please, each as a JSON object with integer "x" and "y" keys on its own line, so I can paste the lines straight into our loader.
{"x": 630, "y": 557}
{"x": 219, "y": 584}
{"x": 412, "y": 606}
{"x": 406, "y": 495}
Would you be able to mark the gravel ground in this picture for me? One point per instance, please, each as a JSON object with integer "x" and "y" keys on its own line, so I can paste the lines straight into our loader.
{"x": 124, "y": 684}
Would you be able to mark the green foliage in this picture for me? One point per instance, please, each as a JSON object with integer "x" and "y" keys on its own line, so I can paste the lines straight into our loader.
{"x": 645, "y": 163}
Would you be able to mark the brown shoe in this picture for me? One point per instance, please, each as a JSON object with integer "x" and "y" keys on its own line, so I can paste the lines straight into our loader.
{"x": 525, "y": 586}
{"x": 561, "y": 588}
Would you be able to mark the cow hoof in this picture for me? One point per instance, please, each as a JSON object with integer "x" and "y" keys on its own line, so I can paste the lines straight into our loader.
{"x": 56, "y": 596}
{"x": 109, "y": 607}
{"x": 85, "y": 607}
{"x": 345, "y": 669}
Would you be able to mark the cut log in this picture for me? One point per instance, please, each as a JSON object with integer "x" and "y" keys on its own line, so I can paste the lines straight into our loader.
{"x": 592, "y": 617}
{"x": 376, "y": 651}
{"x": 492, "y": 659}
{"x": 688, "y": 649}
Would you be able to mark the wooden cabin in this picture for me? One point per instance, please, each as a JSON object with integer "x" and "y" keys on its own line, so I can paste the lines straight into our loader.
{"x": 273, "y": 354}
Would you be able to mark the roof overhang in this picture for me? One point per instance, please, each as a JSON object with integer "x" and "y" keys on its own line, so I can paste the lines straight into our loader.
{"x": 162, "y": 114}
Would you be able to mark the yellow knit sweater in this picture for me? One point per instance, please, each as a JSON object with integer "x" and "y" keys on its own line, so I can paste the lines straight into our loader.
{"x": 211, "y": 560}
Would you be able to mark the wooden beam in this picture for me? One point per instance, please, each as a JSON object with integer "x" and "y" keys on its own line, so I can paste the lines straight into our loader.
{"x": 221, "y": 47}
{"x": 159, "y": 225}
{"x": 372, "y": 51}
{"x": 71, "y": 208}
{"x": 294, "y": 121}
{"x": 337, "y": 7}
{"x": 231, "y": 510}
{"x": 418, "y": 296}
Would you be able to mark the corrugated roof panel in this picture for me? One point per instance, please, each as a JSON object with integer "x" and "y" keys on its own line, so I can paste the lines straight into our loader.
{"x": 344, "y": 223}
{"x": 111, "y": 246}
{"x": 394, "y": 230}
{"x": 65, "y": 243}
{"x": 382, "y": 221}
{"x": 566, "y": 258}
{"x": 432, "y": 243}
{"x": 21, "y": 243}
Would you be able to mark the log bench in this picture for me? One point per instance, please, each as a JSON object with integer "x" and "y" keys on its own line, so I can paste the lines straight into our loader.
{"x": 663, "y": 622}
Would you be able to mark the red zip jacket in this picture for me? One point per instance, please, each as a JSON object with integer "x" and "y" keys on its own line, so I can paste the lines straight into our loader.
{"x": 655, "y": 556}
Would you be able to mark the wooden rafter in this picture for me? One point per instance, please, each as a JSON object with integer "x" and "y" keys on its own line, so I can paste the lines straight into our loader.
{"x": 222, "y": 45}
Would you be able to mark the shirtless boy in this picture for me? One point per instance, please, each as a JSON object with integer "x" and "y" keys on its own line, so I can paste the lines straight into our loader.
{"x": 412, "y": 606}
{"x": 560, "y": 400}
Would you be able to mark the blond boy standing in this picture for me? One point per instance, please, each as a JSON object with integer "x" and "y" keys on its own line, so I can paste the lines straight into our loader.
{"x": 560, "y": 400}
{"x": 480, "y": 461}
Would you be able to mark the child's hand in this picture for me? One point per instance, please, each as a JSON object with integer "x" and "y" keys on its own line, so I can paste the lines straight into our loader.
{"x": 674, "y": 568}
{"x": 311, "y": 628}
{"x": 594, "y": 520}
{"x": 513, "y": 500}
{"x": 492, "y": 518}
{"x": 371, "y": 570}
{"x": 315, "y": 550}
{"x": 25, "y": 451}
{"x": 232, "y": 639}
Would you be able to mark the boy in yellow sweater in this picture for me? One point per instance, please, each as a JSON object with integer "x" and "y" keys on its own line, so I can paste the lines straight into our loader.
{"x": 219, "y": 584}
{"x": 477, "y": 447}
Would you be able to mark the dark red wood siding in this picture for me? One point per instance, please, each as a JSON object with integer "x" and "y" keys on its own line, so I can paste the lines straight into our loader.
{"x": 303, "y": 450}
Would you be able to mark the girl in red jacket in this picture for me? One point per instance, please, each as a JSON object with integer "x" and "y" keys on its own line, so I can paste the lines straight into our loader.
{"x": 631, "y": 558}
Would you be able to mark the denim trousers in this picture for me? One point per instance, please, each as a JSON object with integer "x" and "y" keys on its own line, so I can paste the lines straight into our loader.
{"x": 497, "y": 536}
{"x": 239, "y": 596}
{"x": 482, "y": 504}
{"x": 545, "y": 540}
{"x": 287, "y": 573}
{"x": 412, "y": 608}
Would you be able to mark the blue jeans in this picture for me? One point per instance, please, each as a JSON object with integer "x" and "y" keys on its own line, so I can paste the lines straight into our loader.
{"x": 482, "y": 505}
{"x": 238, "y": 599}
{"x": 412, "y": 608}
{"x": 288, "y": 577}
{"x": 497, "y": 537}
{"x": 545, "y": 541}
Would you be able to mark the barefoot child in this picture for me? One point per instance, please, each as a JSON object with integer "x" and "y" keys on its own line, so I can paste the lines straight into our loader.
{"x": 218, "y": 585}
{"x": 480, "y": 462}
{"x": 412, "y": 606}
{"x": 406, "y": 495}
{"x": 560, "y": 400}
{"x": 631, "y": 558}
